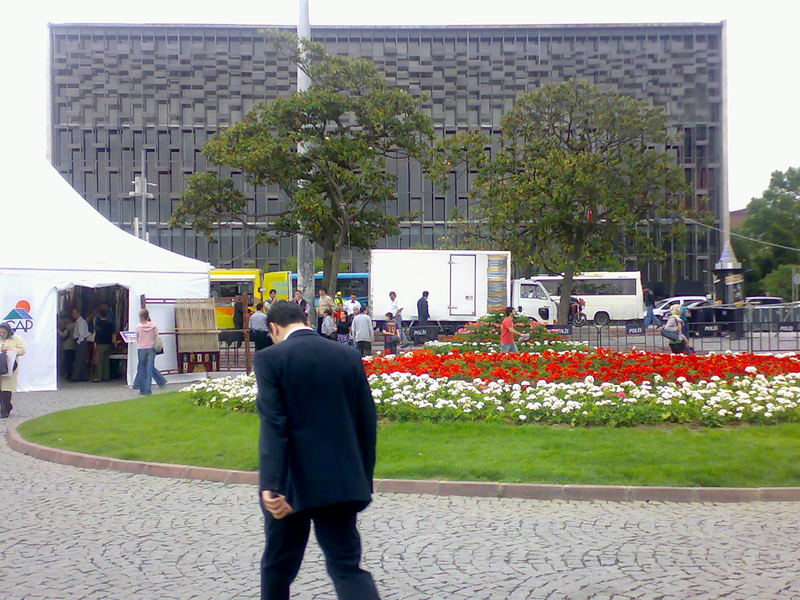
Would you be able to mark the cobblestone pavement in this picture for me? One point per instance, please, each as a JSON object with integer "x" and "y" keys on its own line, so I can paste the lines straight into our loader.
{"x": 68, "y": 533}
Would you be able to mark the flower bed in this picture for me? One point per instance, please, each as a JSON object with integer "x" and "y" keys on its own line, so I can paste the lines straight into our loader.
{"x": 602, "y": 364}
{"x": 484, "y": 336}
{"x": 558, "y": 345}
{"x": 574, "y": 388}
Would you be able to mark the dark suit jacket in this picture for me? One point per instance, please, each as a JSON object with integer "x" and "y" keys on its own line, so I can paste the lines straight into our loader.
{"x": 422, "y": 309}
{"x": 318, "y": 423}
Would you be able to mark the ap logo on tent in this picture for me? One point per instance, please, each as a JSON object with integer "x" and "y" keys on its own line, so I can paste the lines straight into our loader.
{"x": 20, "y": 316}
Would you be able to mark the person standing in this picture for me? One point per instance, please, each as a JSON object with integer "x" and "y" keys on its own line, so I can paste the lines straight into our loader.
{"x": 325, "y": 303}
{"x": 8, "y": 384}
{"x": 352, "y": 307}
{"x": 258, "y": 328}
{"x": 390, "y": 336}
{"x": 329, "y": 325}
{"x": 146, "y": 334}
{"x": 423, "y": 315}
{"x": 507, "y": 332}
{"x": 343, "y": 329}
{"x": 317, "y": 455}
{"x": 66, "y": 333}
{"x": 649, "y": 305}
{"x": 238, "y": 320}
{"x": 81, "y": 336}
{"x": 397, "y": 310}
{"x": 273, "y": 293}
{"x": 361, "y": 330}
{"x": 302, "y": 303}
{"x": 103, "y": 345}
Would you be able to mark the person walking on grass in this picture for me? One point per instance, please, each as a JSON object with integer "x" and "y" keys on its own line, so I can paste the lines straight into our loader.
{"x": 507, "y": 332}
{"x": 317, "y": 455}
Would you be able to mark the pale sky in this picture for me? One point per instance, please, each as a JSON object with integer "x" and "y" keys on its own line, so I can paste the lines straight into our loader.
{"x": 763, "y": 52}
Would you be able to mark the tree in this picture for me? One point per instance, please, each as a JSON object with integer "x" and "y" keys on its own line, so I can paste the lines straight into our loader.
{"x": 779, "y": 282}
{"x": 349, "y": 122}
{"x": 578, "y": 176}
{"x": 773, "y": 218}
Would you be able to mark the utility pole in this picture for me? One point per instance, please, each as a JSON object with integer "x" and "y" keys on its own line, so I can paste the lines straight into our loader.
{"x": 305, "y": 248}
{"x": 140, "y": 191}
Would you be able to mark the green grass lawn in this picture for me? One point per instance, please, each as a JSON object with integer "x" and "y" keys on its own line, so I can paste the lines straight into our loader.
{"x": 167, "y": 428}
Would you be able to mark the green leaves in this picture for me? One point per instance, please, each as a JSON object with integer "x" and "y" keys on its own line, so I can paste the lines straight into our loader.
{"x": 207, "y": 201}
{"x": 773, "y": 218}
{"x": 347, "y": 124}
{"x": 578, "y": 167}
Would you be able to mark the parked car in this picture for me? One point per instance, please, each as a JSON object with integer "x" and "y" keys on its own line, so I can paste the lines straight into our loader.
{"x": 663, "y": 306}
{"x": 764, "y": 300}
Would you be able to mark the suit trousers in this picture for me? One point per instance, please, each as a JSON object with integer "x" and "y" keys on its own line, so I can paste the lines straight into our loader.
{"x": 337, "y": 534}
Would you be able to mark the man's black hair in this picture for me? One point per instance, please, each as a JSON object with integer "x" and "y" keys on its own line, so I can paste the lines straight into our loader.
{"x": 509, "y": 310}
{"x": 259, "y": 306}
{"x": 285, "y": 313}
{"x": 424, "y": 294}
{"x": 8, "y": 328}
{"x": 273, "y": 290}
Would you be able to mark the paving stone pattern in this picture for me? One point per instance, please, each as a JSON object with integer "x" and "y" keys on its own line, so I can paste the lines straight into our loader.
{"x": 70, "y": 533}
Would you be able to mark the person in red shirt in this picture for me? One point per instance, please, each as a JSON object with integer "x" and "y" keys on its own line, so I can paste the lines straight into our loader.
{"x": 507, "y": 332}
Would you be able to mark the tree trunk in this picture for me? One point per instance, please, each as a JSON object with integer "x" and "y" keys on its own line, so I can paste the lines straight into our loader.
{"x": 330, "y": 269}
{"x": 567, "y": 284}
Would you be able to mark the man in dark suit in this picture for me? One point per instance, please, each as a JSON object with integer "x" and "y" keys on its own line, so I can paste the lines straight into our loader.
{"x": 423, "y": 315}
{"x": 317, "y": 454}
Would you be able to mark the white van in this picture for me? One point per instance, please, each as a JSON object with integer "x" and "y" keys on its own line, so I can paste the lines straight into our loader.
{"x": 531, "y": 299}
{"x": 609, "y": 295}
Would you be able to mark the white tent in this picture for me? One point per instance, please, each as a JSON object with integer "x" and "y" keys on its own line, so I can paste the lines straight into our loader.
{"x": 51, "y": 240}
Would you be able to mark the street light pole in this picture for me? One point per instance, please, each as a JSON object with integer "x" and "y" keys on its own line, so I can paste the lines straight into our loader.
{"x": 140, "y": 190}
{"x": 305, "y": 248}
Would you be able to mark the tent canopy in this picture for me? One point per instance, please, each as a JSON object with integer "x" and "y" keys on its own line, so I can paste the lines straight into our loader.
{"x": 59, "y": 230}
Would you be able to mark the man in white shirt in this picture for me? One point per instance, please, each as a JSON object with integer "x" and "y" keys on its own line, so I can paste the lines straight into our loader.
{"x": 80, "y": 334}
{"x": 396, "y": 310}
{"x": 352, "y": 307}
{"x": 362, "y": 332}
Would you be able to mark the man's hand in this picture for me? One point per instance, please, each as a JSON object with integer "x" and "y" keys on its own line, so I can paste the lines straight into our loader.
{"x": 276, "y": 505}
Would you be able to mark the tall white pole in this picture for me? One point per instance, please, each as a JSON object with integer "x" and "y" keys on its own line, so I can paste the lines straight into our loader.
{"x": 305, "y": 248}
{"x": 727, "y": 259}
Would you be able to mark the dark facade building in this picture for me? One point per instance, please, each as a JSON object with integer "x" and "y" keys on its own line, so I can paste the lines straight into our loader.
{"x": 118, "y": 89}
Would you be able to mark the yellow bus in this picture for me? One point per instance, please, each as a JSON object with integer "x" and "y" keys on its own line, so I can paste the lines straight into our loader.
{"x": 229, "y": 283}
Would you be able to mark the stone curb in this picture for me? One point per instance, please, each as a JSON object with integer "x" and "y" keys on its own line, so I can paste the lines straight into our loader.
{"x": 529, "y": 491}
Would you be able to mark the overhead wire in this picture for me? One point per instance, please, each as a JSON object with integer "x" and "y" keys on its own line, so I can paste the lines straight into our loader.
{"x": 744, "y": 237}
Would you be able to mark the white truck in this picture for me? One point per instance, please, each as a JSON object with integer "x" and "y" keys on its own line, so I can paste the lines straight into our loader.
{"x": 462, "y": 286}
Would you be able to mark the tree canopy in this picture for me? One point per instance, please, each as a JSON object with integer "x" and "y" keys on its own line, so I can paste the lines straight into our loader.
{"x": 773, "y": 218}
{"x": 579, "y": 172}
{"x": 348, "y": 123}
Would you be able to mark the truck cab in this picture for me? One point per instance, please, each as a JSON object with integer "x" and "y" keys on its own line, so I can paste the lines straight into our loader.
{"x": 532, "y": 300}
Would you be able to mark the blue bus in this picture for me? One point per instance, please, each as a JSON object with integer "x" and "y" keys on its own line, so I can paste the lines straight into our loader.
{"x": 347, "y": 283}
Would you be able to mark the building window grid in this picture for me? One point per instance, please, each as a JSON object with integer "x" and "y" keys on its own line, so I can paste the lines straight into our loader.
{"x": 97, "y": 163}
